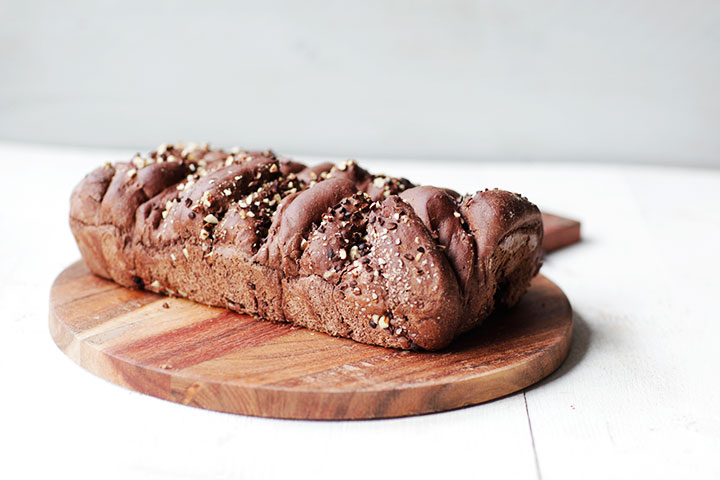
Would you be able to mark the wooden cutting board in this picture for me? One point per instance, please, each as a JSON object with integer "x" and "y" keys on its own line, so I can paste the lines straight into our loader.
{"x": 559, "y": 232}
{"x": 211, "y": 358}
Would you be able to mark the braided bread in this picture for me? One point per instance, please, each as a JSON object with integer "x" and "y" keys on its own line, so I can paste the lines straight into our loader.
{"x": 332, "y": 247}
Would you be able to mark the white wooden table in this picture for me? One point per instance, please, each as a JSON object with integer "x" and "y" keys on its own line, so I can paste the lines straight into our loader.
{"x": 637, "y": 398}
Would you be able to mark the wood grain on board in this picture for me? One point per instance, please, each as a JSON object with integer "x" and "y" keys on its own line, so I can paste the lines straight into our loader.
{"x": 211, "y": 358}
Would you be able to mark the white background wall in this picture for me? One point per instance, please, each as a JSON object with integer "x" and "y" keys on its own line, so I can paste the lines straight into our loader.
{"x": 626, "y": 80}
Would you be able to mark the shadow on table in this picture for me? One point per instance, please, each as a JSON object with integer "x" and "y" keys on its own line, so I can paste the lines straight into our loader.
{"x": 582, "y": 337}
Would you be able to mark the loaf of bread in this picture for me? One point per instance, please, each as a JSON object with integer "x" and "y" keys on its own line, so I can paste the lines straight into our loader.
{"x": 332, "y": 247}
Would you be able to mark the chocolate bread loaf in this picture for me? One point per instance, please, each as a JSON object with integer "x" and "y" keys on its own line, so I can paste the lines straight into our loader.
{"x": 331, "y": 247}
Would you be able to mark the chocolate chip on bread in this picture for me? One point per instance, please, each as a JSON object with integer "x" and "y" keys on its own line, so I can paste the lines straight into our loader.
{"x": 332, "y": 248}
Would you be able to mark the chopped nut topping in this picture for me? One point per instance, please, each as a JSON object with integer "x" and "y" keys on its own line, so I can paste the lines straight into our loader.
{"x": 383, "y": 322}
{"x": 273, "y": 168}
{"x": 210, "y": 218}
{"x": 342, "y": 254}
{"x": 191, "y": 147}
{"x": 186, "y": 253}
{"x": 204, "y": 234}
{"x": 418, "y": 256}
{"x": 457, "y": 214}
{"x": 131, "y": 173}
{"x": 251, "y": 214}
{"x": 138, "y": 161}
{"x": 229, "y": 160}
{"x": 173, "y": 257}
{"x": 354, "y": 252}
{"x": 155, "y": 284}
{"x": 205, "y": 199}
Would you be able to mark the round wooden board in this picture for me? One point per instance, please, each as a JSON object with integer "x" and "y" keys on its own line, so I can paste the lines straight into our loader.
{"x": 211, "y": 358}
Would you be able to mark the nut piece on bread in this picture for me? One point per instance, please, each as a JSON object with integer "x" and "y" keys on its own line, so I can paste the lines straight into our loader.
{"x": 332, "y": 247}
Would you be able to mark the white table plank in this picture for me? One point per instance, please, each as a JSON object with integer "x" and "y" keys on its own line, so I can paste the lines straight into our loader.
{"x": 641, "y": 396}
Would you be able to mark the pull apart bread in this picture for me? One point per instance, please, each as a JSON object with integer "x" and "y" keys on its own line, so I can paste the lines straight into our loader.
{"x": 332, "y": 247}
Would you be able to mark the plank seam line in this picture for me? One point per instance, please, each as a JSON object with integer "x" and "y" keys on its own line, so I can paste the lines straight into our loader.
{"x": 532, "y": 439}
